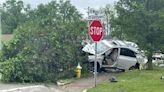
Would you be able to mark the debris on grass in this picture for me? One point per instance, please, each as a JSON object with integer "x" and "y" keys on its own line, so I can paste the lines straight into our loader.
{"x": 113, "y": 79}
{"x": 64, "y": 82}
{"x": 162, "y": 78}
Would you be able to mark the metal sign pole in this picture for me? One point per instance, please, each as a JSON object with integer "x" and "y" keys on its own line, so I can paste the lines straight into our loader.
{"x": 96, "y": 33}
{"x": 0, "y": 28}
{"x": 95, "y": 65}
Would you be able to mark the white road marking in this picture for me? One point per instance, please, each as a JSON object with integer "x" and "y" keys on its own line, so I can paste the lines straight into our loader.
{"x": 85, "y": 90}
{"x": 22, "y": 88}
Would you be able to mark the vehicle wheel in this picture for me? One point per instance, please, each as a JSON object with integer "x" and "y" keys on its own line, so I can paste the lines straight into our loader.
{"x": 123, "y": 70}
{"x": 103, "y": 69}
{"x": 132, "y": 68}
{"x": 98, "y": 68}
{"x": 135, "y": 67}
{"x": 91, "y": 65}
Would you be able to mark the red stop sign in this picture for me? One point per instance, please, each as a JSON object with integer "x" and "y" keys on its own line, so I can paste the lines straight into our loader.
{"x": 96, "y": 30}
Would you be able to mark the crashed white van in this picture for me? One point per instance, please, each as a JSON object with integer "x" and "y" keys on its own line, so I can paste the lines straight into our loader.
{"x": 114, "y": 54}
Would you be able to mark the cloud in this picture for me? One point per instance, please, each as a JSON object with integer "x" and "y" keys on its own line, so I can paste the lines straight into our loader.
{"x": 81, "y": 5}
{"x": 2, "y": 1}
{"x": 91, "y": 3}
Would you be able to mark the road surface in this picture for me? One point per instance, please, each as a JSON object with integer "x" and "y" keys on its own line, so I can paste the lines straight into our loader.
{"x": 77, "y": 86}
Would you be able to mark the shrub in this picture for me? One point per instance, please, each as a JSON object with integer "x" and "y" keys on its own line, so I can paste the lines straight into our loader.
{"x": 45, "y": 48}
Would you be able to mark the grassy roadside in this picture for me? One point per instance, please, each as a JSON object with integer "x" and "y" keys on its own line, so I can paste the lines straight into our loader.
{"x": 134, "y": 81}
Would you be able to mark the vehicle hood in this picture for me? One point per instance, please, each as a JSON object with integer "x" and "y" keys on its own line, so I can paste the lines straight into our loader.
{"x": 102, "y": 47}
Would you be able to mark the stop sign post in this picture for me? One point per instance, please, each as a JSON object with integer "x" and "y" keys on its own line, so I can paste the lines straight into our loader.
{"x": 96, "y": 33}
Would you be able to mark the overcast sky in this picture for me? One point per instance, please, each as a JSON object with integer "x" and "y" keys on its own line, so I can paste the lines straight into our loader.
{"x": 81, "y": 5}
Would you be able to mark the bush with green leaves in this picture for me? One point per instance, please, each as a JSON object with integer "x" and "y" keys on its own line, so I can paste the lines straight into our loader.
{"x": 45, "y": 48}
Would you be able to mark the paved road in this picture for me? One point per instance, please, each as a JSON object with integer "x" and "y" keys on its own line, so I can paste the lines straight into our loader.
{"x": 33, "y": 88}
{"x": 77, "y": 86}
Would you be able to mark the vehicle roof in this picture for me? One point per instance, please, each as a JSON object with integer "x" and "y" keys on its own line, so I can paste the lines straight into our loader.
{"x": 122, "y": 44}
{"x": 105, "y": 45}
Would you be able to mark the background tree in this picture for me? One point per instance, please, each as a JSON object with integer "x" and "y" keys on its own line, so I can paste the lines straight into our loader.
{"x": 140, "y": 21}
{"x": 109, "y": 14}
{"x": 46, "y": 47}
{"x": 13, "y": 14}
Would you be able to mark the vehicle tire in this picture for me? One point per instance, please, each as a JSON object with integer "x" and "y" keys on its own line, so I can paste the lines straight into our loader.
{"x": 91, "y": 67}
{"x": 98, "y": 68}
{"x": 132, "y": 68}
{"x": 136, "y": 66}
{"x": 103, "y": 69}
{"x": 123, "y": 70}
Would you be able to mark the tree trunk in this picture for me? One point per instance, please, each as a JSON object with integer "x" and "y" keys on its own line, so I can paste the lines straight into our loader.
{"x": 150, "y": 65}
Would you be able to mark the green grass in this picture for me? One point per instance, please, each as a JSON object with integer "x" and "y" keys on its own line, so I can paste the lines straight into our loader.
{"x": 134, "y": 81}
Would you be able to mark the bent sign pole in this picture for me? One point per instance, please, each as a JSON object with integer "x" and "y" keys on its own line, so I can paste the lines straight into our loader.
{"x": 96, "y": 33}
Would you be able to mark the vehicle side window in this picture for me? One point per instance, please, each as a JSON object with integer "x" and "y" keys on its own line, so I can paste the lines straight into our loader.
{"x": 127, "y": 52}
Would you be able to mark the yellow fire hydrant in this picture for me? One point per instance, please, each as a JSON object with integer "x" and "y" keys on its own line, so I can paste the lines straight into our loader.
{"x": 78, "y": 71}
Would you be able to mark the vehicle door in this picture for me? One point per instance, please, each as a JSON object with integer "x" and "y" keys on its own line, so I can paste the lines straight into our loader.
{"x": 110, "y": 57}
{"x": 127, "y": 58}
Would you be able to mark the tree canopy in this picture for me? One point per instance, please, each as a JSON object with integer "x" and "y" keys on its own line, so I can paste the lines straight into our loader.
{"x": 141, "y": 21}
{"x": 47, "y": 46}
{"x": 13, "y": 13}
